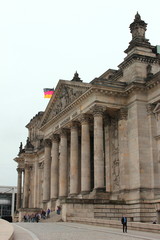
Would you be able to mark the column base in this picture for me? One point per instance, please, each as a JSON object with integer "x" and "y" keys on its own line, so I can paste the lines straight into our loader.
{"x": 84, "y": 192}
{"x": 73, "y": 195}
{"x": 99, "y": 190}
{"x": 62, "y": 197}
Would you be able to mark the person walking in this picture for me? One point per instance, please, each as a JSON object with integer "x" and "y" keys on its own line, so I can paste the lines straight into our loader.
{"x": 124, "y": 222}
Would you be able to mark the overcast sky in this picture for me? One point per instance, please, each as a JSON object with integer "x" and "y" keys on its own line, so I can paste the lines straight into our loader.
{"x": 42, "y": 41}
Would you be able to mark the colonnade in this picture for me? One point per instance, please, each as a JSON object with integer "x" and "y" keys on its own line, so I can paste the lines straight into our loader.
{"x": 79, "y": 181}
{"x": 67, "y": 160}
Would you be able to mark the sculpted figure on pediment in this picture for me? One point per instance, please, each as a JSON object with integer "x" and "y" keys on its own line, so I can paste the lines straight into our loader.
{"x": 67, "y": 95}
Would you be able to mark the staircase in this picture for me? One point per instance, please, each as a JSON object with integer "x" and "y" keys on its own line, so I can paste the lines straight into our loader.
{"x": 54, "y": 217}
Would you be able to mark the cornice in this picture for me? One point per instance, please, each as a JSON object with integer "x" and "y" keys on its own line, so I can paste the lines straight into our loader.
{"x": 109, "y": 90}
{"x": 140, "y": 58}
{"x": 153, "y": 82}
{"x": 19, "y": 159}
{"x": 92, "y": 90}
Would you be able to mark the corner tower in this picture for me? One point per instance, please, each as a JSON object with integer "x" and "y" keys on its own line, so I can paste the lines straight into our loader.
{"x": 141, "y": 60}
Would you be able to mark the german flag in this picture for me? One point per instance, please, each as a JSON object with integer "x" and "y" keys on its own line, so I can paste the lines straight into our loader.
{"x": 48, "y": 92}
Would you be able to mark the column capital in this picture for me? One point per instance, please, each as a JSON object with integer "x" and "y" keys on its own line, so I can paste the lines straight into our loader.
{"x": 123, "y": 114}
{"x": 97, "y": 110}
{"x": 74, "y": 125}
{"x": 19, "y": 170}
{"x": 47, "y": 142}
{"x": 84, "y": 118}
{"x": 55, "y": 138}
{"x": 63, "y": 132}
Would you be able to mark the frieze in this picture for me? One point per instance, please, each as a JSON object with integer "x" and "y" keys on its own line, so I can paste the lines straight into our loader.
{"x": 65, "y": 121}
{"x": 74, "y": 114}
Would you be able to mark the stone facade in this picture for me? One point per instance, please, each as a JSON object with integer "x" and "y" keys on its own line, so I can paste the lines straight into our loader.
{"x": 98, "y": 143}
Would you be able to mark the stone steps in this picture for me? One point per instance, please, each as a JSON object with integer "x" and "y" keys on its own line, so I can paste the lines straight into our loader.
{"x": 54, "y": 217}
{"x": 138, "y": 226}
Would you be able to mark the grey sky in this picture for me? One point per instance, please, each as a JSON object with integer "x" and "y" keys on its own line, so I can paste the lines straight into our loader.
{"x": 44, "y": 41}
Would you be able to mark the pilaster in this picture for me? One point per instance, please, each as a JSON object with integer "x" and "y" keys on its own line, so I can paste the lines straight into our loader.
{"x": 123, "y": 149}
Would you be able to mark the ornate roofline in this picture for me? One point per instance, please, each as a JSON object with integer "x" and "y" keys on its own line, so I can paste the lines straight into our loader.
{"x": 109, "y": 89}
{"x": 138, "y": 57}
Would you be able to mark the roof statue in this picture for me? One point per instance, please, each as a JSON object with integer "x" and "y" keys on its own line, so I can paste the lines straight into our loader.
{"x": 28, "y": 145}
{"x": 76, "y": 77}
{"x": 138, "y": 28}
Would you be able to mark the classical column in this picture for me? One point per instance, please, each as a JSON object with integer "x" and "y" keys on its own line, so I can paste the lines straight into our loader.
{"x": 26, "y": 186}
{"x": 74, "y": 176}
{"x": 36, "y": 184}
{"x": 19, "y": 188}
{"x": 85, "y": 155}
{"x": 63, "y": 168}
{"x": 47, "y": 170}
{"x": 55, "y": 166}
{"x": 107, "y": 123}
{"x": 123, "y": 148}
{"x": 98, "y": 148}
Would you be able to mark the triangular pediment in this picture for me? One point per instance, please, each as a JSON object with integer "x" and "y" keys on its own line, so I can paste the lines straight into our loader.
{"x": 66, "y": 93}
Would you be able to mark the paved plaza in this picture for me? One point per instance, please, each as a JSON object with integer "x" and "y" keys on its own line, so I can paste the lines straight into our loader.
{"x": 75, "y": 231}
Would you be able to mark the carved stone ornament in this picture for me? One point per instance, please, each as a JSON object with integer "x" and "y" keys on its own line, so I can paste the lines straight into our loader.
{"x": 97, "y": 110}
{"x": 74, "y": 125}
{"x": 55, "y": 138}
{"x": 47, "y": 143}
{"x": 67, "y": 95}
{"x": 150, "y": 108}
{"x": 84, "y": 119}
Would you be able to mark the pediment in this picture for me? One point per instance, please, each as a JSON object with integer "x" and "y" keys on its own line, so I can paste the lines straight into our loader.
{"x": 66, "y": 93}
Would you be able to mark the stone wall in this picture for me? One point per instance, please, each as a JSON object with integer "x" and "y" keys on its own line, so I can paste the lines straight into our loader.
{"x": 137, "y": 212}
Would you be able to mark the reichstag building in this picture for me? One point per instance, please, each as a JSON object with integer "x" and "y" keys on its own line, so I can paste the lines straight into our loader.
{"x": 95, "y": 150}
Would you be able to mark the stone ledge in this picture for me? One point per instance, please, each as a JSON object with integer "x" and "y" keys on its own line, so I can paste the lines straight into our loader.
{"x": 147, "y": 227}
{"x": 6, "y": 230}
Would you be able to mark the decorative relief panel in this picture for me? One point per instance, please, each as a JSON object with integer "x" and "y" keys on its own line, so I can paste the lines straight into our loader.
{"x": 67, "y": 95}
{"x": 115, "y": 173}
